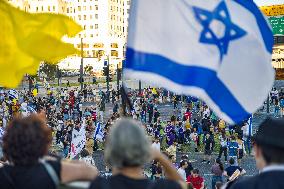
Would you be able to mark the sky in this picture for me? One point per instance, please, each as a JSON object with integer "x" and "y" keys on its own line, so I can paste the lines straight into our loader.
{"x": 268, "y": 2}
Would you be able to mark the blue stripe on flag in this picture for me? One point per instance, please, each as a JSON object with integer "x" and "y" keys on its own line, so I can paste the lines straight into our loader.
{"x": 190, "y": 76}
{"x": 265, "y": 30}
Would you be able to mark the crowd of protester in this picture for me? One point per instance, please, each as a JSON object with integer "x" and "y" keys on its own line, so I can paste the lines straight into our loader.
{"x": 191, "y": 127}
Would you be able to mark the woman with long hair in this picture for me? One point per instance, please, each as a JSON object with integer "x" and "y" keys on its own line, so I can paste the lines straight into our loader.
{"x": 25, "y": 145}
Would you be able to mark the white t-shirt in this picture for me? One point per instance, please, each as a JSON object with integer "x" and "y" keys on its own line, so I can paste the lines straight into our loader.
{"x": 245, "y": 130}
{"x": 182, "y": 173}
{"x": 193, "y": 136}
{"x": 206, "y": 112}
{"x": 156, "y": 146}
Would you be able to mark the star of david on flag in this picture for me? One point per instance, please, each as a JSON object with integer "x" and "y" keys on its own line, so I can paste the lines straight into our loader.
{"x": 216, "y": 50}
{"x": 221, "y": 14}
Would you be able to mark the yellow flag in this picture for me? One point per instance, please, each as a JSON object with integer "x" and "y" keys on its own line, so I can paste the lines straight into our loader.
{"x": 154, "y": 91}
{"x": 34, "y": 92}
{"x": 27, "y": 39}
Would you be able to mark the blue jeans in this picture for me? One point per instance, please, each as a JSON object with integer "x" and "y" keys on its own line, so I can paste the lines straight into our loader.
{"x": 216, "y": 179}
{"x": 66, "y": 151}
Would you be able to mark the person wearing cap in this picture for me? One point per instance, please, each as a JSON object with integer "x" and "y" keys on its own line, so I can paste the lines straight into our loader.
{"x": 268, "y": 144}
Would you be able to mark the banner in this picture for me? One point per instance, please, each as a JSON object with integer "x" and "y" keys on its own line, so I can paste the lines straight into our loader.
{"x": 78, "y": 141}
{"x": 275, "y": 10}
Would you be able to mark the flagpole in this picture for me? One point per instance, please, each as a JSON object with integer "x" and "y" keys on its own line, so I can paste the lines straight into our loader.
{"x": 81, "y": 66}
{"x": 250, "y": 134}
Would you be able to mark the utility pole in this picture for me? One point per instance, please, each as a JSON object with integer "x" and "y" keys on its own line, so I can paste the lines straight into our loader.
{"x": 81, "y": 66}
{"x": 107, "y": 78}
{"x": 30, "y": 83}
{"x": 118, "y": 73}
{"x": 140, "y": 90}
{"x": 58, "y": 75}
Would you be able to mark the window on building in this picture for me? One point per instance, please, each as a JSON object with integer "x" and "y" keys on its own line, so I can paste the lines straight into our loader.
{"x": 85, "y": 17}
{"x": 91, "y": 16}
{"x": 36, "y": 9}
{"x": 84, "y": 27}
{"x": 79, "y": 8}
{"x": 96, "y": 7}
{"x": 91, "y": 7}
{"x": 96, "y": 26}
{"x": 114, "y": 53}
{"x": 98, "y": 45}
{"x": 96, "y": 16}
{"x": 91, "y": 27}
{"x": 114, "y": 45}
{"x": 41, "y": 8}
{"x": 92, "y": 35}
{"x": 79, "y": 17}
{"x": 67, "y": 10}
{"x": 84, "y": 8}
{"x": 53, "y": 8}
{"x": 48, "y": 8}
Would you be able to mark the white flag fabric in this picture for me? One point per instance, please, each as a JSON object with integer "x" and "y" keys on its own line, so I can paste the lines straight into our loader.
{"x": 78, "y": 141}
{"x": 217, "y": 50}
{"x": 99, "y": 133}
{"x": 13, "y": 94}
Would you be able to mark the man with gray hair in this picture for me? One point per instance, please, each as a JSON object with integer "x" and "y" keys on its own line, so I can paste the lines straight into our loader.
{"x": 127, "y": 151}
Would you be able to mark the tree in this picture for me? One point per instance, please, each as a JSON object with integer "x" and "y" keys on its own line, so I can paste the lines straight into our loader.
{"x": 50, "y": 70}
{"x": 88, "y": 69}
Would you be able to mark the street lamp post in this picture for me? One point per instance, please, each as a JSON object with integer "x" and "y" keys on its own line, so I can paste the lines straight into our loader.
{"x": 30, "y": 83}
{"x": 107, "y": 78}
{"x": 81, "y": 66}
{"x": 58, "y": 75}
{"x": 118, "y": 72}
{"x": 140, "y": 90}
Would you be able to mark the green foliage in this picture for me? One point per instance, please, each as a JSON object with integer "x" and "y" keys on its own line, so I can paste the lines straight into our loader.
{"x": 88, "y": 69}
{"x": 50, "y": 70}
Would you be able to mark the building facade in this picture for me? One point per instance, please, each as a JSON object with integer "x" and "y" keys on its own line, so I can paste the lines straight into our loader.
{"x": 104, "y": 24}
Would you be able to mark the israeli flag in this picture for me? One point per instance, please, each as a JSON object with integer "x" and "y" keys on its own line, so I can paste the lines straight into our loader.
{"x": 99, "y": 133}
{"x": 217, "y": 50}
{"x": 2, "y": 132}
{"x": 13, "y": 94}
{"x": 26, "y": 110}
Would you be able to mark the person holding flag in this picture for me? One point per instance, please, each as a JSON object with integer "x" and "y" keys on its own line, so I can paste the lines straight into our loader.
{"x": 98, "y": 136}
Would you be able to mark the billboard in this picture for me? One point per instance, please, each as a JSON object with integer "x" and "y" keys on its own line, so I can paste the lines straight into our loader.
{"x": 275, "y": 16}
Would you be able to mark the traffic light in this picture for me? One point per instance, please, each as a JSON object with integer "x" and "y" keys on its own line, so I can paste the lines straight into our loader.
{"x": 106, "y": 71}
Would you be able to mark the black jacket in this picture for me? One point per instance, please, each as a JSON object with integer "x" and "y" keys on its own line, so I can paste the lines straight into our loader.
{"x": 271, "y": 180}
